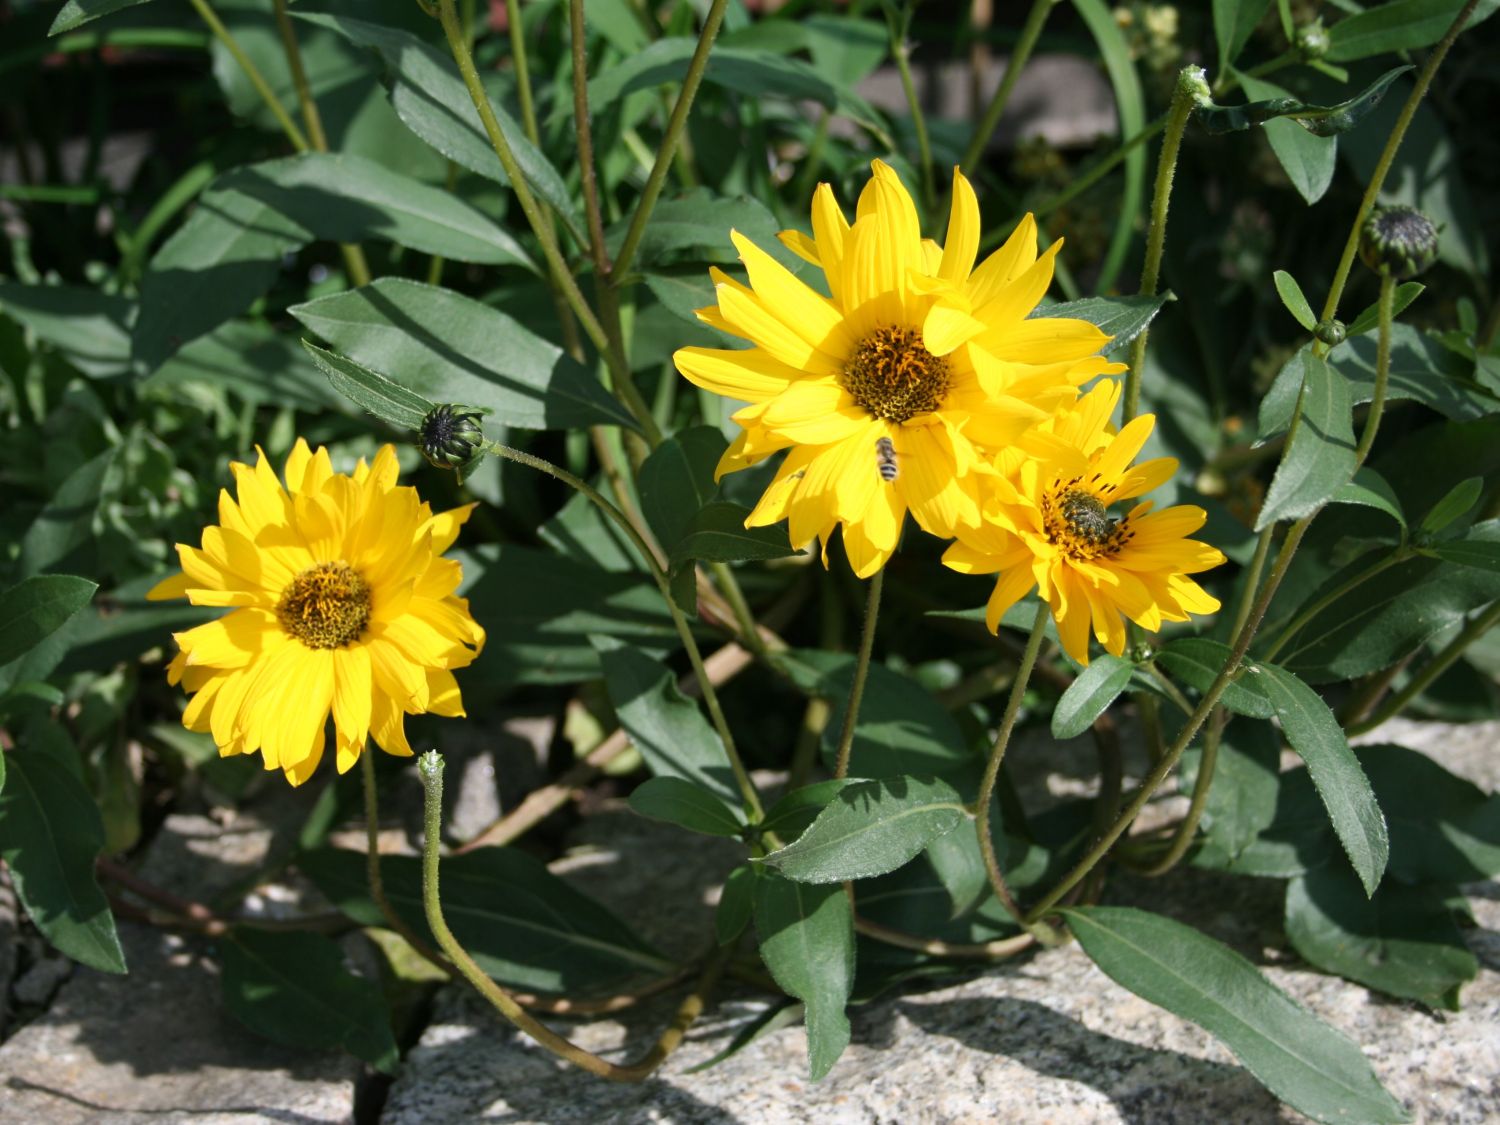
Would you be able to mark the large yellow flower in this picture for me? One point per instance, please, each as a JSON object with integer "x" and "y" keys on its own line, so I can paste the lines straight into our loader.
{"x": 890, "y": 391}
{"x": 1047, "y": 526}
{"x": 341, "y": 603}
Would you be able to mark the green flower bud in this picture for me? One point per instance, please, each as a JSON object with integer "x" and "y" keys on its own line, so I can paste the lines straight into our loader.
{"x": 1330, "y": 332}
{"x": 451, "y": 435}
{"x": 1192, "y": 81}
{"x": 1312, "y": 41}
{"x": 1401, "y": 240}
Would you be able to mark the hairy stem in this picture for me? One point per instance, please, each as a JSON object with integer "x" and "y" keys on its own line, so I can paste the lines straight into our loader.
{"x": 861, "y": 672}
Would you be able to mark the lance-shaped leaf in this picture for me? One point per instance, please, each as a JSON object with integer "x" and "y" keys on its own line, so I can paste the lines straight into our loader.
{"x": 677, "y": 480}
{"x": 684, "y": 804}
{"x": 1401, "y": 25}
{"x": 1197, "y": 662}
{"x": 1369, "y": 489}
{"x": 1315, "y": 734}
{"x": 1300, "y": 1059}
{"x": 1090, "y": 695}
{"x": 33, "y": 610}
{"x": 1319, "y": 459}
{"x": 91, "y": 329}
{"x": 1307, "y": 159}
{"x": 387, "y": 400}
{"x": 1319, "y": 120}
{"x": 807, "y": 942}
{"x": 869, "y": 828}
{"x": 293, "y": 988}
{"x": 717, "y": 532}
{"x": 1120, "y": 318}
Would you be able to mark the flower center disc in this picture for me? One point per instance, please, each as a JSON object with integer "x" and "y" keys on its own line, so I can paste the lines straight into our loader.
{"x": 893, "y": 377}
{"x": 326, "y": 606}
{"x": 1080, "y": 524}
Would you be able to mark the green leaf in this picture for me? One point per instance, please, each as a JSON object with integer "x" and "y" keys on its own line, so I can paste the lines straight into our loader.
{"x": 717, "y": 532}
{"x": 389, "y": 401}
{"x": 76, "y": 13}
{"x": 736, "y": 904}
{"x": 293, "y": 988}
{"x": 1444, "y": 829}
{"x": 790, "y": 816}
{"x": 89, "y": 328}
{"x": 1242, "y": 800}
{"x": 1197, "y": 662}
{"x": 524, "y": 926}
{"x": 50, "y": 836}
{"x": 225, "y": 256}
{"x": 677, "y": 480}
{"x": 1316, "y": 735}
{"x": 750, "y": 72}
{"x": 1405, "y": 294}
{"x": 1481, "y": 554}
{"x": 870, "y": 828}
{"x": 664, "y": 725}
{"x": 1293, "y": 299}
{"x": 1304, "y": 1062}
{"x": 1234, "y": 21}
{"x": 1457, "y": 502}
{"x": 346, "y": 198}
{"x": 684, "y": 804}
{"x": 1401, "y": 25}
{"x": 1090, "y": 695}
{"x": 700, "y": 220}
{"x": 1369, "y": 489}
{"x": 1319, "y": 459}
{"x": 451, "y": 348}
{"x": 1403, "y": 941}
{"x": 1298, "y": 839}
{"x": 807, "y": 942}
{"x": 36, "y": 608}
{"x": 1319, "y": 120}
{"x": 252, "y": 361}
{"x": 1121, "y": 318}
{"x": 431, "y": 100}
{"x": 1307, "y": 159}
{"x": 67, "y": 522}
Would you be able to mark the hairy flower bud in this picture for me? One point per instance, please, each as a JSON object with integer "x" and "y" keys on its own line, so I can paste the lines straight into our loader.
{"x": 1313, "y": 41}
{"x": 1400, "y": 240}
{"x": 450, "y": 435}
{"x": 1330, "y": 332}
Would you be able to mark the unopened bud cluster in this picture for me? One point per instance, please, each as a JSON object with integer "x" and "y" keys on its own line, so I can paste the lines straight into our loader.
{"x": 451, "y": 435}
{"x": 1400, "y": 241}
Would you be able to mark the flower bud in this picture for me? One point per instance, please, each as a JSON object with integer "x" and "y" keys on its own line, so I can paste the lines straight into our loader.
{"x": 1192, "y": 81}
{"x": 1400, "y": 240}
{"x": 1330, "y": 332}
{"x": 1313, "y": 41}
{"x": 450, "y": 435}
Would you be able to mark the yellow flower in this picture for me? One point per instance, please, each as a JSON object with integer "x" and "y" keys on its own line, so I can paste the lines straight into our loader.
{"x": 890, "y": 391}
{"x": 342, "y": 602}
{"x": 1047, "y": 526}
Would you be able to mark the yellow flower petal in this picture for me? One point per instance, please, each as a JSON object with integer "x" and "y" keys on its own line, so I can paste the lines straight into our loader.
{"x": 750, "y": 375}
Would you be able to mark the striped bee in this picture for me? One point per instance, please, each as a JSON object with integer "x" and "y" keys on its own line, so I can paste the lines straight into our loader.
{"x": 885, "y": 459}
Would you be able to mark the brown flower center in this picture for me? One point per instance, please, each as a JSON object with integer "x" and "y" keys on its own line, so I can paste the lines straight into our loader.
{"x": 893, "y": 377}
{"x": 1079, "y": 523}
{"x": 326, "y": 606}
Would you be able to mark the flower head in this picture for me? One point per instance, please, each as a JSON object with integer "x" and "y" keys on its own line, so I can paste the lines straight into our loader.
{"x": 1399, "y": 239}
{"x": 1049, "y": 525}
{"x": 341, "y": 602}
{"x": 888, "y": 394}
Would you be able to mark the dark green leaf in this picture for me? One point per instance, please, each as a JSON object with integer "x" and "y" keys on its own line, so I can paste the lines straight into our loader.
{"x": 67, "y": 522}
{"x": 677, "y": 480}
{"x": 750, "y": 72}
{"x": 76, "y": 13}
{"x": 1197, "y": 662}
{"x": 1319, "y": 120}
{"x": 790, "y": 816}
{"x": 1234, "y": 20}
{"x": 684, "y": 804}
{"x": 1458, "y": 500}
{"x": 717, "y": 532}
{"x": 346, "y": 198}
{"x": 1403, "y": 941}
{"x": 870, "y": 828}
{"x": 37, "y": 607}
{"x": 807, "y": 942}
{"x": 50, "y": 836}
{"x": 1316, "y": 735}
{"x": 1298, "y": 839}
{"x": 1369, "y": 489}
{"x": 525, "y": 926}
{"x": 771, "y": 1019}
{"x": 736, "y": 904}
{"x": 1304, "y": 1062}
{"x": 250, "y": 360}
{"x": 1319, "y": 459}
{"x": 1307, "y": 159}
{"x": 1293, "y": 299}
{"x": 1242, "y": 801}
{"x": 1406, "y": 293}
{"x": 451, "y": 348}
{"x": 91, "y": 329}
{"x": 664, "y": 725}
{"x": 293, "y": 989}
{"x": 1121, "y": 318}
{"x": 700, "y": 220}
{"x": 1478, "y": 553}
{"x": 1444, "y": 829}
{"x": 1401, "y": 25}
{"x": 387, "y": 400}
{"x": 1090, "y": 695}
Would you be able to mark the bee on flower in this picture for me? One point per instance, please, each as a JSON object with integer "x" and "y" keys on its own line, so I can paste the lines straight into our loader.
{"x": 340, "y": 602}
{"x": 916, "y": 353}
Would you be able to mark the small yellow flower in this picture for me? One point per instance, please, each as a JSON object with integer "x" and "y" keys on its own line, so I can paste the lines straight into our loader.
{"x": 1047, "y": 526}
{"x": 890, "y": 391}
{"x": 342, "y": 602}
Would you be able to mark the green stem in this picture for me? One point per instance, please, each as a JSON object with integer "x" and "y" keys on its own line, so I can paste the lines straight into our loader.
{"x": 1252, "y": 578}
{"x": 252, "y": 72}
{"x": 861, "y": 672}
{"x": 1166, "y": 169}
{"x": 1098, "y": 171}
{"x": 684, "y": 632}
{"x": 1431, "y": 670}
{"x": 812, "y": 163}
{"x": 1173, "y": 692}
{"x": 1382, "y": 368}
{"x": 372, "y": 865}
{"x": 986, "y": 796}
{"x": 1182, "y": 838}
{"x": 1387, "y": 156}
{"x": 562, "y": 276}
{"x": 1031, "y": 31}
{"x": 522, "y": 69}
{"x": 896, "y": 28}
{"x": 579, "y": 45}
{"x": 675, "y": 125}
{"x": 1318, "y": 605}
{"x": 430, "y": 766}
{"x": 744, "y": 617}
